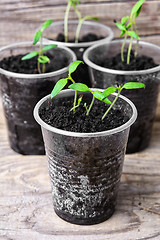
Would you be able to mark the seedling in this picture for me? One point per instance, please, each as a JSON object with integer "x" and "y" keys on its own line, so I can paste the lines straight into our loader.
{"x": 63, "y": 82}
{"x": 81, "y": 19}
{"x": 102, "y": 96}
{"x": 42, "y": 59}
{"x": 129, "y": 29}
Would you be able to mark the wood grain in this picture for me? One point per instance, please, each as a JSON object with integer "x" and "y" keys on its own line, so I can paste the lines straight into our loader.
{"x": 26, "y": 210}
{"x": 20, "y": 19}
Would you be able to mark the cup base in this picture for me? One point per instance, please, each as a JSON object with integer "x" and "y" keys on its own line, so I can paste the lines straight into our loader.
{"x": 85, "y": 221}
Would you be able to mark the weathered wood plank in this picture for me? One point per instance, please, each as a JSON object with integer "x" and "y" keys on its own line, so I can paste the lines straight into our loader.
{"x": 18, "y": 21}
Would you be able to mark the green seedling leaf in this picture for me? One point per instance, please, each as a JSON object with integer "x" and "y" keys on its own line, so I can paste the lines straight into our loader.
{"x": 37, "y": 37}
{"x": 74, "y": 2}
{"x": 138, "y": 12}
{"x": 48, "y": 47}
{"x": 122, "y": 33}
{"x": 80, "y": 99}
{"x": 91, "y": 17}
{"x": 79, "y": 87}
{"x": 120, "y": 26}
{"x": 133, "y": 34}
{"x": 46, "y": 24}
{"x": 30, "y": 55}
{"x": 124, "y": 20}
{"x": 74, "y": 66}
{"x": 133, "y": 85}
{"x": 106, "y": 100}
{"x": 137, "y": 6}
{"x": 59, "y": 86}
{"x": 108, "y": 91}
{"x": 128, "y": 26}
{"x": 97, "y": 94}
{"x": 43, "y": 59}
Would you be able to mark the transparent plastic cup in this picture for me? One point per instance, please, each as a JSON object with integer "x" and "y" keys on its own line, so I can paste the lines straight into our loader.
{"x": 85, "y": 168}
{"x": 145, "y": 100}
{"x": 20, "y": 93}
{"x": 97, "y": 28}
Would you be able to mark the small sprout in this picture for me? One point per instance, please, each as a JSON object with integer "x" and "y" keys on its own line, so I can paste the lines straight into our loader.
{"x": 74, "y": 4}
{"x": 85, "y": 106}
{"x": 81, "y": 87}
{"x": 41, "y": 58}
{"x": 79, "y": 102}
{"x": 128, "y": 28}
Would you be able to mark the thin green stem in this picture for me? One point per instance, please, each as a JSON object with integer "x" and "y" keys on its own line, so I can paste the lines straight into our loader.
{"x": 78, "y": 13}
{"x": 78, "y": 30}
{"x": 119, "y": 91}
{"x": 122, "y": 48}
{"x": 41, "y": 46}
{"x": 79, "y": 24}
{"x": 43, "y": 68}
{"x": 137, "y": 44}
{"x": 129, "y": 50}
{"x": 75, "y": 95}
{"x": 93, "y": 98}
{"x": 66, "y": 21}
{"x": 75, "y": 101}
{"x": 74, "y": 107}
{"x": 40, "y": 54}
{"x": 39, "y": 67}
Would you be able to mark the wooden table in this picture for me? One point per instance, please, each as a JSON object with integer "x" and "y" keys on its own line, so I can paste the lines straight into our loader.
{"x": 26, "y": 210}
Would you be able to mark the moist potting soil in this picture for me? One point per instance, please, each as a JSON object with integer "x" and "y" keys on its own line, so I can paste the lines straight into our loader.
{"x": 58, "y": 114}
{"x": 15, "y": 63}
{"x": 90, "y": 37}
{"x": 136, "y": 63}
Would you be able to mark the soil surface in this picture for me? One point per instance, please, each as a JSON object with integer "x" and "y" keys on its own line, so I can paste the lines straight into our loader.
{"x": 90, "y": 37}
{"x": 138, "y": 63}
{"x": 58, "y": 114}
{"x": 15, "y": 64}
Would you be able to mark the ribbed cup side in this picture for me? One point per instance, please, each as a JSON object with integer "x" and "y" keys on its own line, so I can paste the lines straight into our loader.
{"x": 19, "y": 96}
{"x": 85, "y": 175}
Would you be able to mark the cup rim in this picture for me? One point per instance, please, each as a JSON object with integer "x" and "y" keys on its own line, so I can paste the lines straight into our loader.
{"x": 36, "y": 76}
{"x": 78, "y": 134}
{"x": 84, "y": 44}
{"x": 118, "y": 72}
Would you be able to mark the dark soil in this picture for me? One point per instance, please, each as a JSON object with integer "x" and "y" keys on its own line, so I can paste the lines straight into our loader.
{"x": 90, "y": 37}
{"x": 58, "y": 114}
{"x": 138, "y": 63}
{"x": 15, "y": 64}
